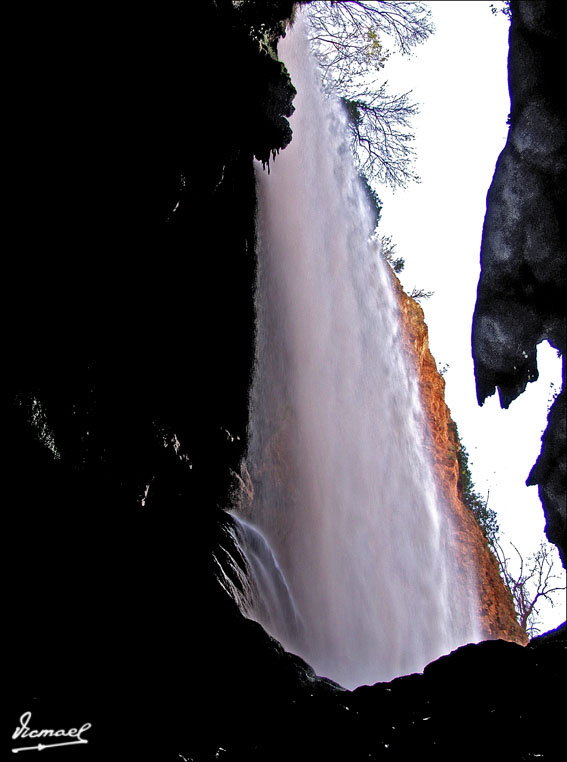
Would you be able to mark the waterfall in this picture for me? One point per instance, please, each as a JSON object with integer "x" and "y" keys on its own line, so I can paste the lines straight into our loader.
{"x": 342, "y": 524}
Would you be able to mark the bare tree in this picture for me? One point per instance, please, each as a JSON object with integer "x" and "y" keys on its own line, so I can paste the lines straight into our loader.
{"x": 382, "y": 137}
{"x": 535, "y": 580}
{"x": 347, "y": 38}
{"x": 421, "y": 293}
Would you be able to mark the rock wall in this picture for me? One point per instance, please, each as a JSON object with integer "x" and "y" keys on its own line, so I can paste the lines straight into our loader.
{"x": 129, "y": 317}
{"x": 475, "y": 560}
{"x": 522, "y": 292}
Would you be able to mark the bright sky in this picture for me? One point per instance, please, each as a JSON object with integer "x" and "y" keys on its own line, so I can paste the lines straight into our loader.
{"x": 459, "y": 78}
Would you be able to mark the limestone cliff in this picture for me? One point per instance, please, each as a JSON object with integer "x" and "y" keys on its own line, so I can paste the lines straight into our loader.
{"x": 497, "y": 615}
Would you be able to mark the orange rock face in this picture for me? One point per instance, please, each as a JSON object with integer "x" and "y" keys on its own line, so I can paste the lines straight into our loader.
{"x": 497, "y": 615}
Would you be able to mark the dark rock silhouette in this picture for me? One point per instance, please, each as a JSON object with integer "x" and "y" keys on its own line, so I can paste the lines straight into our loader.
{"x": 521, "y": 292}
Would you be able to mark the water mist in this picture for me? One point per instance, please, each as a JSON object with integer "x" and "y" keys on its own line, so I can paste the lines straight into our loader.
{"x": 343, "y": 527}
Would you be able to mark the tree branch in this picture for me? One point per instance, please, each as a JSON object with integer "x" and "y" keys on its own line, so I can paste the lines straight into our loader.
{"x": 348, "y": 39}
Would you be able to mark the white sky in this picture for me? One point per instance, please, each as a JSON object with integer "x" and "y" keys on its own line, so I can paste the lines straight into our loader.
{"x": 459, "y": 78}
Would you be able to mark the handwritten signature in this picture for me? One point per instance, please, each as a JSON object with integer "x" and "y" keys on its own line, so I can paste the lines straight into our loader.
{"x": 24, "y": 731}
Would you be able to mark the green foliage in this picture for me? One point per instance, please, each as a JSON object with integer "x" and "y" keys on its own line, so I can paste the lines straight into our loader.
{"x": 388, "y": 252}
{"x": 375, "y": 52}
{"x": 485, "y": 516}
{"x": 263, "y": 36}
{"x": 398, "y": 265}
{"x": 353, "y": 113}
{"x": 371, "y": 195}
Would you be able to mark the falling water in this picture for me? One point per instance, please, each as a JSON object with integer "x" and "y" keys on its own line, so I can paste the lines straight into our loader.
{"x": 343, "y": 527}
